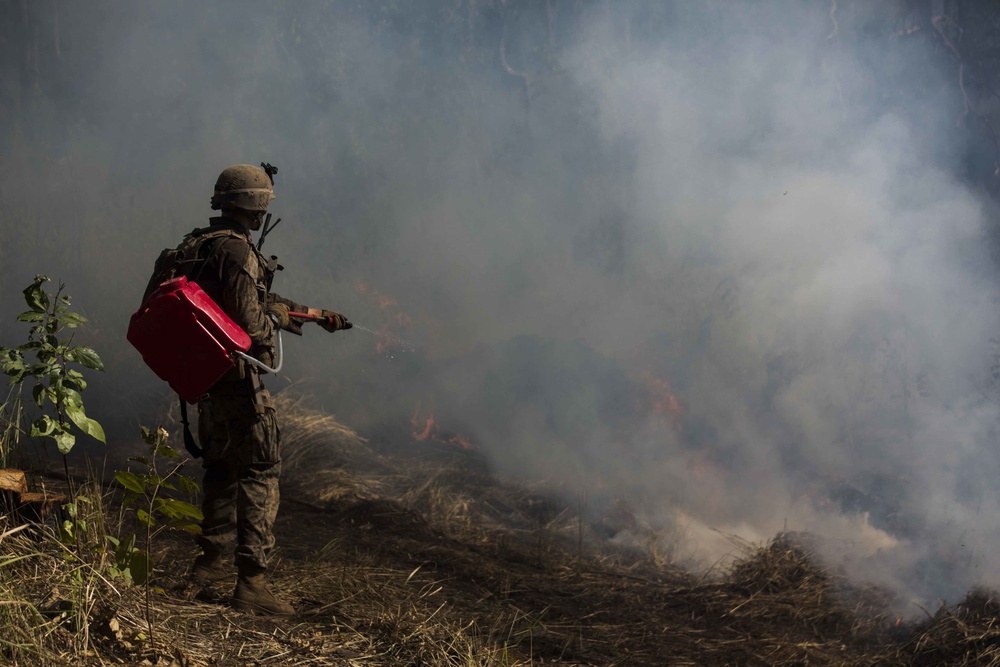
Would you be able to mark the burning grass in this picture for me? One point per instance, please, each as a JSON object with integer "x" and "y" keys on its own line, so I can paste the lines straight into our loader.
{"x": 419, "y": 556}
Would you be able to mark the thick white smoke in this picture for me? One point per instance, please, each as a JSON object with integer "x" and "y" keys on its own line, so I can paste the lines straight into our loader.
{"x": 830, "y": 289}
{"x": 751, "y": 209}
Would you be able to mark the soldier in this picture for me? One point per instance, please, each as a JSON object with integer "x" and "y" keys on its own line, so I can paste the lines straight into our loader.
{"x": 236, "y": 419}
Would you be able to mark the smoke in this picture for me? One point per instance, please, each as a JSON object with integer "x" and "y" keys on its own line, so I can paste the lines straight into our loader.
{"x": 717, "y": 263}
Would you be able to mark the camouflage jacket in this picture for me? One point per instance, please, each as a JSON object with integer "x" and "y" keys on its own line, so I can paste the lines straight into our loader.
{"x": 225, "y": 263}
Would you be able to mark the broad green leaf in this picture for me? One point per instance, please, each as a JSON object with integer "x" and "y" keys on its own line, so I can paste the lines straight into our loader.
{"x": 31, "y": 316}
{"x": 146, "y": 435}
{"x": 64, "y": 441}
{"x": 15, "y": 364}
{"x": 139, "y": 459}
{"x": 72, "y": 320}
{"x": 66, "y": 532}
{"x": 162, "y": 506}
{"x": 85, "y": 423}
{"x": 145, "y": 517}
{"x": 85, "y": 357}
{"x": 186, "y": 526}
{"x": 123, "y": 554}
{"x": 176, "y": 509}
{"x": 120, "y": 573}
{"x": 43, "y": 427}
{"x": 114, "y": 540}
{"x": 167, "y": 451}
{"x": 74, "y": 381}
{"x": 36, "y": 297}
{"x": 130, "y": 481}
{"x": 160, "y": 482}
{"x": 39, "y": 393}
{"x": 70, "y": 397}
{"x": 139, "y": 567}
{"x": 186, "y": 509}
{"x": 187, "y": 484}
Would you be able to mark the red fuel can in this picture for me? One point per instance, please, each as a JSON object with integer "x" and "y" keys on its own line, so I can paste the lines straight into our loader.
{"x": 185, "y": 338}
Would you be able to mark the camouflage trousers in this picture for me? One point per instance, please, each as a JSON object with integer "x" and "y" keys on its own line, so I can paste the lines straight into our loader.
{"x": 239, "y": 433}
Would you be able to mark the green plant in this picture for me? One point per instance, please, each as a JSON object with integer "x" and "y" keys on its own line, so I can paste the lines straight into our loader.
{"x": 47, "y": 359}
{"x": 154, "y": 510}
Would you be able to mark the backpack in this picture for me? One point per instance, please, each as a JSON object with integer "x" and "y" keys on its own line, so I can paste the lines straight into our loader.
{"x": 187, "y": 259}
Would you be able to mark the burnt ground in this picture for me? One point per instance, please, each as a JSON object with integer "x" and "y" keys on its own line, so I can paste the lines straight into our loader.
{"x": 419, "y": 556}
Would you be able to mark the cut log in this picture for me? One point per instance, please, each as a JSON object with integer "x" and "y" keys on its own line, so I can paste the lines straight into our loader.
{"x": 38, "y": 506}
{"x": 13, "y": 480}
{"x": 12, "y": 485}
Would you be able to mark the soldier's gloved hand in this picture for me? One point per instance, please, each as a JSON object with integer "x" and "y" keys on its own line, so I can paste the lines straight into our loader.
{"x": 332, "y": 321}
{"x": 278, "y": 312}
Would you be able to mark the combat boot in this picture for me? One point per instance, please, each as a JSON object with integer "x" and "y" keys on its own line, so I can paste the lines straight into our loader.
{"x": 253, "y": 595}
{"x": 208, "y": 569}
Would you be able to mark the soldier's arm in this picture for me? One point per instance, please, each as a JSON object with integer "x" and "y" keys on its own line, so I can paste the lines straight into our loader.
{"x": 240, "y": 298}
{"x": 293, "y": 306}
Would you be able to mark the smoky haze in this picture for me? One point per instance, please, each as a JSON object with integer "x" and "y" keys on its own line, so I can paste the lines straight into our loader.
{"x": 716, "y": 263}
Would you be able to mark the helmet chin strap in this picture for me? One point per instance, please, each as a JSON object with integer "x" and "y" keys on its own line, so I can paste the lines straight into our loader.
{"x": 256, "y": 220}
{"x": 252, "y": 220}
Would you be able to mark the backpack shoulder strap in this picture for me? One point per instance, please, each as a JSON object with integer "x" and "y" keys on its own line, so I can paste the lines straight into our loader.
{"x": 199, "y": 246}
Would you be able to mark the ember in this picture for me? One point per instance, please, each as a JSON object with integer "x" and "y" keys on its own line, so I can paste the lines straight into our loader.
{"x": 426, "y": 428}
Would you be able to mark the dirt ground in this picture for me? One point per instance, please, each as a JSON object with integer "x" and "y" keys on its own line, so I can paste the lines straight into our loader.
{"x": 401, "y": 555}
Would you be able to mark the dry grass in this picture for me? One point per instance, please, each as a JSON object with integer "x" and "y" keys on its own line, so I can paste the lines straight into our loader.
{"x": 420, "y": 557}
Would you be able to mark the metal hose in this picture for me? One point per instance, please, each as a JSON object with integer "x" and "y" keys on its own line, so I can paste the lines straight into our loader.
{"x": 260, "y": 364}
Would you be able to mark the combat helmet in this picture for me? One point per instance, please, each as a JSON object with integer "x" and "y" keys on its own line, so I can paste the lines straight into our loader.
{"x": 243, "y": 186}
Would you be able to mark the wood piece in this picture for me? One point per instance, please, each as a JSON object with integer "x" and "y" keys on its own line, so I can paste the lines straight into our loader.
{"x": 12, "y": 479}
{"x": 38, "y": 506}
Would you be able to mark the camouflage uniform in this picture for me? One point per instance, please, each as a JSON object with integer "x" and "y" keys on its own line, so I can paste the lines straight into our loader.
{"x": 237, "y": 425}
{"x": 239, "y": 432}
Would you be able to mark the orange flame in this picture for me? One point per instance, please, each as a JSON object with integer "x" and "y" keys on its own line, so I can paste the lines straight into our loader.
{"x": 459, "y": 441}
{"x": 386, "y": 303}
{"x": 662, "y": 400}
{"x": 390, "y": 310}
{"x": 415, "y": 420}
{"x": 426, "y": 428}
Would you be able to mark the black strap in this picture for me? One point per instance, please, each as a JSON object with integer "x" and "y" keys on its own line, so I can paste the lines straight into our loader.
{"x": 189, "y": 442}
{"x": 212, "y": 240}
